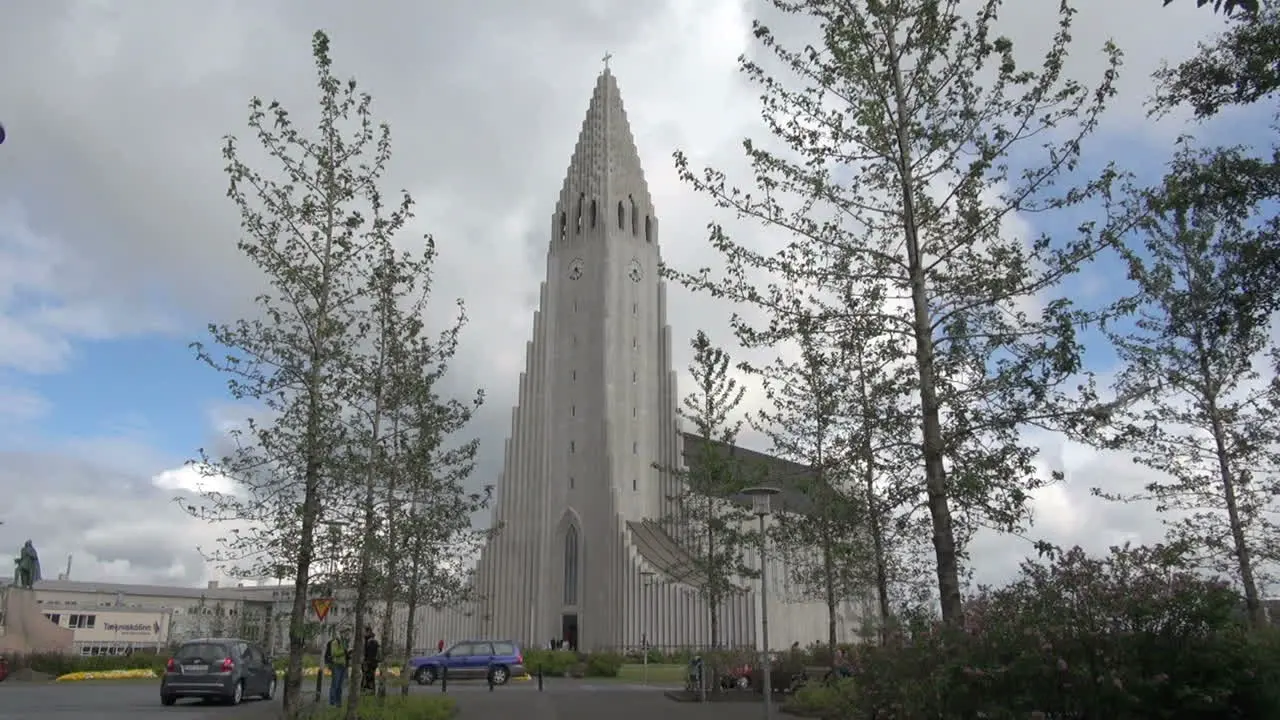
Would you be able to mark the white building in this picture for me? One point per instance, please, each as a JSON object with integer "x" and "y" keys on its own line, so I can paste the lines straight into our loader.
{"x": 580, "y": 501}
{"x": 115, "y": 618}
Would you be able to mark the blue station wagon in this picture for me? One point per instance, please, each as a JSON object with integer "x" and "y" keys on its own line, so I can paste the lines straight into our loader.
{"x": 471, "y": 660}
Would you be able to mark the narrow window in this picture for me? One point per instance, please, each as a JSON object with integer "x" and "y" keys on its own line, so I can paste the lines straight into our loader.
{"x": 575, "y": 375}
{"x": 570, "y": 482}
{"x": 633, "y": 376}
{"x": 582, "y": 199}
{"x": 575, "y": 341}
{"x": 571, "y": 446}
{"x": 635, "y": 219}
{"x": 622, "y": 216}
{"x": 573, "y": 410}
{"x": 575, "y": 306}
{"x": 634, "y": 343}
{"x": 635, "y": 308}
{"x": 648, "y": 229}
{"x": 571, "y": 566}
{"x": 635, "y": 448}
{"x": 593, "y": 212}
{"x": 633, "y": 484}
{"x": 564, "y": 224}
{"x": 633, "y": 412}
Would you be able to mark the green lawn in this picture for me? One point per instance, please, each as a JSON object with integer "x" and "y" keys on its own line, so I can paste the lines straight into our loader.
{"x": 664, "y": 674}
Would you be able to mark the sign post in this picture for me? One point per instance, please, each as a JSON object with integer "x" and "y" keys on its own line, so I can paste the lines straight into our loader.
{"x": 321, "y": 606}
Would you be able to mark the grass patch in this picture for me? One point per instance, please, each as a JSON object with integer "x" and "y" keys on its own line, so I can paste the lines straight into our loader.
{"x": 658, "y": 673}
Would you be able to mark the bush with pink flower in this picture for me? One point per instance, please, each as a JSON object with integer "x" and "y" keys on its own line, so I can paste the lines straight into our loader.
{"x": 1128, "y": 636}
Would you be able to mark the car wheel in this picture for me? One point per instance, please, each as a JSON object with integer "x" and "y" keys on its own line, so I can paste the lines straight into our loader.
{"x": 168, "y": 700}
{"x": 500, "y": 674}
{"x": 271, "y": 690}
{"x": 237, "y": 694}
{"x": 743, "y": 682}
{"x": 424, "y": 676}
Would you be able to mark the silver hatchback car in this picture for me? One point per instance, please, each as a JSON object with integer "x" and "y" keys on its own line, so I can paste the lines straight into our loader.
{"x": 226, "y": 669}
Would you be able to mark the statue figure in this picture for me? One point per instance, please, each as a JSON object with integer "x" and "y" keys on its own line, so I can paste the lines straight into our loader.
{"x": 26, "y": 572}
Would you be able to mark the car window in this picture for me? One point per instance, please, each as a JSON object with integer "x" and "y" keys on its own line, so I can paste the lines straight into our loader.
{"x": 482, "y": 648}
{"x": 208, "y": 652}
{"x": 461, "y": 649}
{"x": 504, "y": 648}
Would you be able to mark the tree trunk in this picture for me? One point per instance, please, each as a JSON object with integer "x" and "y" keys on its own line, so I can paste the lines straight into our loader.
{"x": 828, "y": 566}
{"x": 944, "y": 542}
{"x": 415, "y": 577}
{"x": 1244, "y": 558}
{"x": 391, "y": 558}
{"x": 366, "y": 559}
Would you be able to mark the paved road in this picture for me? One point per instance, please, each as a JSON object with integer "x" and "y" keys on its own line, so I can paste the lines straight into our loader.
{"x": 562, "y": 699}
{"x": 109, "y": 701}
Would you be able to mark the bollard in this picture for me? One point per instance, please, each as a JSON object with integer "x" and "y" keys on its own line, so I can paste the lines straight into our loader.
{"x": 490, "y": 678}
{"x": 444, "y": 678}
{"x": 319, "y": 681}
{"x": 539, "y": 678}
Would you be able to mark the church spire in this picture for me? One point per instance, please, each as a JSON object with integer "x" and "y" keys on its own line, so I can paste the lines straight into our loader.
{"x": 605, "y": 161}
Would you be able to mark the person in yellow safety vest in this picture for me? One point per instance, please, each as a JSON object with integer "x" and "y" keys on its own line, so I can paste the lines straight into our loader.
{"x": 335, "y": 658}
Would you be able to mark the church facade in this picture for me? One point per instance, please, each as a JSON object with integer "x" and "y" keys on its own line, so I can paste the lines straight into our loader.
{"x": 581, "y": 553}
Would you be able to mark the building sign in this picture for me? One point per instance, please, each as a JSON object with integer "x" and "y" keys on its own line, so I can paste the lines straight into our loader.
{"x": 133, "y": 628}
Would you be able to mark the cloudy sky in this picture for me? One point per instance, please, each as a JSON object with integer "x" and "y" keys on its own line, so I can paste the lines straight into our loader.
{"x": 117, "y": 244}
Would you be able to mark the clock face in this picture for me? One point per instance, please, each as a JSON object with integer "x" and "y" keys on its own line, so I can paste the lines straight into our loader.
{"x": 575, "y": 268}
{"x": 634, "y": 271}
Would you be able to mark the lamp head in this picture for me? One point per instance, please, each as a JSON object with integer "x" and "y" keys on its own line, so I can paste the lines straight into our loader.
{"x": 761, "y": 499}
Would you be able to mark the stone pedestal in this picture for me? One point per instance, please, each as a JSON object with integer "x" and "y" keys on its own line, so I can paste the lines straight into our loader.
{"x": 27, "y": 630}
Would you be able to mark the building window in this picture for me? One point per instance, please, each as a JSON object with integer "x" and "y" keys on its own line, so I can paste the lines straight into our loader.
{"x": 633, "y": 412}
{"x": 575, "y": 341}
{"x": 564, "y": 225}
{"x": 633, "y": 376}
{"x": 635, "y": 448}
{"x": 648, "y": 229}
{"x": 571, "y": 446}
{"x": 54, "y": 618}
{"x": 575, "y": 375}
{"x": 81, "y": 622}
{"x": 575, "y": 306}
{"x": 634, "y": 343}
{"x": 622, "y": 216}
{"x": 570, "y": 482}
{"x": 571, "y": 566}
{"x": 633, "y": 485}
{"x": 581, "y": 199}
{"x": 593, "y": 213}
{"x": 573, "y": 411}
{"x": 635, "y": 308}
{"x": 635, "y": 219}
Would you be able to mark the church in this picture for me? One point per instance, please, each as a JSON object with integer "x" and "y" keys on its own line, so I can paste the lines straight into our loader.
{"x": 581, "y": 553}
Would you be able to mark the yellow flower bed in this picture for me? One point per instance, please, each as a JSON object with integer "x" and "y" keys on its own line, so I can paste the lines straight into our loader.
{"x": 108, "y": 675}
{"x": 312, "y": 671}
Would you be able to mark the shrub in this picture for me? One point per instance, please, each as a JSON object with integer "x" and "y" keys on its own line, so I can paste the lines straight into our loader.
{"x": 58, "y": 664}
{"x": 826, "y": 700}
{"x": 603, "y": 664}
{"x": 395, "y": 707}
{"x": 552, "y": 662}
{"x": 1126, "y": 637}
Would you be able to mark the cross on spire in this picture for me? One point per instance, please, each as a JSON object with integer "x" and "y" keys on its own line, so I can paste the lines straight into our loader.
{"x": 607, "y": 57}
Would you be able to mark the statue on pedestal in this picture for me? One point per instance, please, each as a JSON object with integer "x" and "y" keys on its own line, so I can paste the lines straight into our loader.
{"x": 26, "y": 571}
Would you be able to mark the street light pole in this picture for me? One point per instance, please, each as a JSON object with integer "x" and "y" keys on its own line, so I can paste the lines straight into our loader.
{"x": 646, "y": 577}
{"x": 760, "y": 501}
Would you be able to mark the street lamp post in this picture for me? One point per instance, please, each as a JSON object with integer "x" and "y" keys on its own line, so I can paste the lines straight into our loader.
{"x": 646, "y": 578}
{"x": 760, "y": 501}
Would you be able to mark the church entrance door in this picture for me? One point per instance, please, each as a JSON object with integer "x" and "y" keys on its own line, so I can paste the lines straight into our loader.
{"x": 569, "y": 629}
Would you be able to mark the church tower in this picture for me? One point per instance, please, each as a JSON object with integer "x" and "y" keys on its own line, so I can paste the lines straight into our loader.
{"x": 582, "y": 552}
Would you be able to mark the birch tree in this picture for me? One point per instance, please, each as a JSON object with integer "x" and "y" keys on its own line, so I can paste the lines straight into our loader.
{"x": 308, "y": 233}
{"x": 1199, "y": 346}
{"x": 890, "y": 166}
{"x": 712, "y": 528}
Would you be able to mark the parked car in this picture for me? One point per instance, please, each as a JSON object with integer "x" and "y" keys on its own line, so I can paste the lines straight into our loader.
{"x": 736, "y": 677}
{"x": 226, "y": 669}
{"x": 471, "y": 660}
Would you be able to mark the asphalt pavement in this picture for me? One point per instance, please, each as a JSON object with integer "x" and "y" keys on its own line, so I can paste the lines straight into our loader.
{"x": 121, "y": 700}
{"x": 563, "y": 699}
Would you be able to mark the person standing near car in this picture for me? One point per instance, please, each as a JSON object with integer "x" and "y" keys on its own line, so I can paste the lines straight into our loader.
{"x": 335, "y": 658}
{"x": 371, "y": 650}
